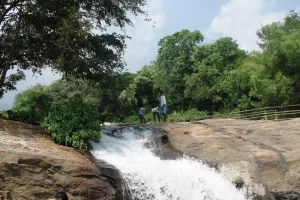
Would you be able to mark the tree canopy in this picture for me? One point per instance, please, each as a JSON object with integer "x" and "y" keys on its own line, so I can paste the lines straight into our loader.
{"x": 70, "y": 36}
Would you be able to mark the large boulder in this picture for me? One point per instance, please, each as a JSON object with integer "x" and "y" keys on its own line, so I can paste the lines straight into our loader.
{"x": 32, "y": 166}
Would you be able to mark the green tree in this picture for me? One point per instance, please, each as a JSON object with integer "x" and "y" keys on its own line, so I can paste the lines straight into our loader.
{"x": 252, "y": 85}
{"x": 200, "y": 87}
{"x": 32, "y": 104}
{"x": 229, "y": 51}
{"x": 235, "y": 84}
{"x": 280, "y": 43}
{"x": 59, "y": 34}
{"x": 174, "y": 62}
{"x": 72, "y": 110}
{"x": 270, "y": 91}
{"x": 205, "y": 86}
{"x": 143, "y": 83}
{"x": 114, "y": 108}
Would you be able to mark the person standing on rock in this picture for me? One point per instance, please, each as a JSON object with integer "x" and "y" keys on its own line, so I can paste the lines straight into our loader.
{"x": 141, "y": 109}
{"x": 154, "y": 108}
{"x": 163, "y": 106}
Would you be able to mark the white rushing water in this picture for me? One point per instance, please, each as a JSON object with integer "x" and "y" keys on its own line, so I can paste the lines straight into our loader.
{"x": 151, "y": 178}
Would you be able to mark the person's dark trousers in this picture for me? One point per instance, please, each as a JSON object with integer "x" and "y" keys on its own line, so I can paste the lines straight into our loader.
{"x": 142, "y": 120}
{"x": 141, "y": 116}
{"x": 154, "y": 116}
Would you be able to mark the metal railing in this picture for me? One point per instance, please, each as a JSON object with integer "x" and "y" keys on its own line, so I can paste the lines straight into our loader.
{"x": 266, "y": 113}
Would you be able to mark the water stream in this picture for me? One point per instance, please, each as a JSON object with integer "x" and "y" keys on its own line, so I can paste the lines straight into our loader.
{"x": 149, "y": 177}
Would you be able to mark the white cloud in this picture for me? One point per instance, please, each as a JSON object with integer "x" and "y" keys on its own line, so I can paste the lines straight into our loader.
{"x": 297, "y": 9}
{"x": 143, "y": 34}
{"x": 240, "y": 19}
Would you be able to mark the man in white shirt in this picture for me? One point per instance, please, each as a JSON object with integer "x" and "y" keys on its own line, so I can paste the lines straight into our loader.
{"x": 163, "y": 106}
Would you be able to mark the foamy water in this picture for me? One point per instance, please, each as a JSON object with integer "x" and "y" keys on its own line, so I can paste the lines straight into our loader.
{"x": 151, "y": 178}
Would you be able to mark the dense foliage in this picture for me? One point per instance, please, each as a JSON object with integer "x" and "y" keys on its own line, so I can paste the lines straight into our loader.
{"x": 72, "y": 110}
{"x": 221, "y": 77}
{"x": 32, "y": 105}
{"x": 199, "y": 80}
{"x": 73, "y": 117}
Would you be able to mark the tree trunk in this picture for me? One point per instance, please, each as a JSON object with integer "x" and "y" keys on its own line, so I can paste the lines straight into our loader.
{"x": 13, "y": 49}
{"x": 2, "y": 77}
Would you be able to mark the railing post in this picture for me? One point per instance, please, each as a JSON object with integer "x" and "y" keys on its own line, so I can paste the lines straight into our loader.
{"x": 266, "y": 117}
{"x": 276, "y": 117}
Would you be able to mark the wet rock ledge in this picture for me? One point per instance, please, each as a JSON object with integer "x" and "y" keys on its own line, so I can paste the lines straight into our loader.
{"x": 32, "y": 167}
{"x": 263, "y": 156}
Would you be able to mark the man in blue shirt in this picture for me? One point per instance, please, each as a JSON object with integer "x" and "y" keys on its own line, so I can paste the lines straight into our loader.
{"x": 163, "y": 106}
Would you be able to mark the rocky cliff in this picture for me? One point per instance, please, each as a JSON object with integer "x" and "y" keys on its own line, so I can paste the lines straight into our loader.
{"x": 32, "y": 167}
{"x": 261, "y": 155}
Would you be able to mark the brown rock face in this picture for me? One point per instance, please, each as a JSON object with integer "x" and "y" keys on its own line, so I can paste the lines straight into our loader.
{"x": 261, "y": 152}
{"x": 32, "y": 167}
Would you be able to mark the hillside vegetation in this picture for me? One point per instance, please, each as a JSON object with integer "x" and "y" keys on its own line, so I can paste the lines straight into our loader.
{"x": 198, "y": 80}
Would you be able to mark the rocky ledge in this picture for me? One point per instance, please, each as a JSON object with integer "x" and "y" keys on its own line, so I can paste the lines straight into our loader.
{"x": 32, "y": 166}
{"x": 262, "y": 156}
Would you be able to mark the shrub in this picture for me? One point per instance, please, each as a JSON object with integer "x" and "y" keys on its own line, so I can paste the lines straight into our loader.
{"x": 31, "y": 106}
{"x": 3, "y": 114}
{"x": 73, "y": 122}
{"x": 133, "y": 119}
{"x": 187, "y": 116}
{"x": 18, "y": 115}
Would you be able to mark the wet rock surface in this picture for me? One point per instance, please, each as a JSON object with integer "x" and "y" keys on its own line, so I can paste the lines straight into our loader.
{"x": 264, "y": 154}
{"x": 32, "y": 167}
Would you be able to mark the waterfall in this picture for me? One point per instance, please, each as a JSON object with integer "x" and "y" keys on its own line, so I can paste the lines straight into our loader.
{"x": 151, "y": 178}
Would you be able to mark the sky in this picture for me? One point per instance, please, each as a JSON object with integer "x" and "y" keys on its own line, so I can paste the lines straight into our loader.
{"x": 239, "y": 19}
